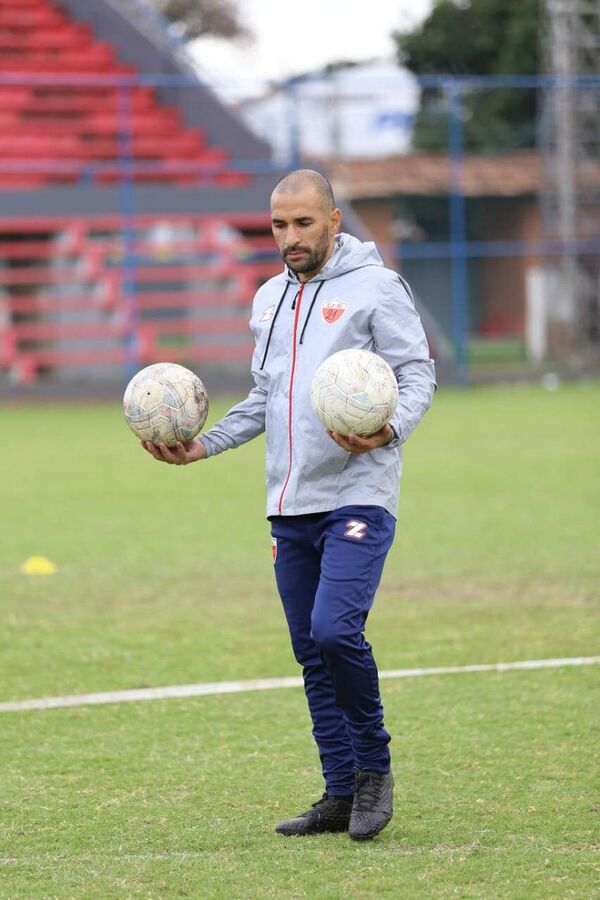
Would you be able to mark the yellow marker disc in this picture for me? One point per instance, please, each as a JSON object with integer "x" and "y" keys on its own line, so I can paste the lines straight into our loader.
{"x": 38, "y": 565}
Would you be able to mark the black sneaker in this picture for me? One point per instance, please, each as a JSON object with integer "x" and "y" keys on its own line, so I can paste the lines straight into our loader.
{"x": 373, "y": 804}
{"x": 327, "y": 814}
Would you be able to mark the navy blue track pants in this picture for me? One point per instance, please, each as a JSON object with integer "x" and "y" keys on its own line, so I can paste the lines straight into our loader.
{"x": 328, "y": 567}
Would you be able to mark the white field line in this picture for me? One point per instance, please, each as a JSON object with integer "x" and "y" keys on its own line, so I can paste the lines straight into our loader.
{"x": 45, "y": 859}
{"x": 268, "y": 684}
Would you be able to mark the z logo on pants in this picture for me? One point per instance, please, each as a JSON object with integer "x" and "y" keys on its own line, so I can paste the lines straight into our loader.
{"x": 356, "y": 530}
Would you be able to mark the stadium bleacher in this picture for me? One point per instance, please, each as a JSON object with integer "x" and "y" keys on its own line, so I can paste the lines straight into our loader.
{"x": 83, "y": 293}
{"x": 86, "y": 291}
{"x": 78, "y": 123}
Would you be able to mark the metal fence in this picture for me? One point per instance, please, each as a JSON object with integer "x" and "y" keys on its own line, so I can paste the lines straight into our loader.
{"x": 487, "y": 252}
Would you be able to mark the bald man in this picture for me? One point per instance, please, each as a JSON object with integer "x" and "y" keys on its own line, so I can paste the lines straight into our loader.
{"x": 332, "y": 500}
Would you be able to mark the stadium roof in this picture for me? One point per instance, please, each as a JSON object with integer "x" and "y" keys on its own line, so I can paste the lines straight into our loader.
{"x": 429, "y": 174}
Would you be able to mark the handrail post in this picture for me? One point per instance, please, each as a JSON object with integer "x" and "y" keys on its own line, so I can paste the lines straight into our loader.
{"x": 127, "y": 212}
{"x": 458, "y": 231}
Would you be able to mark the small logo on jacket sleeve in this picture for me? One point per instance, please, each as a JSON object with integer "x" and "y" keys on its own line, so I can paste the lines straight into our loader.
{"x": 332, "y": 310}
{"x": 267, "y": 314}
{"x": 356, "y": 530}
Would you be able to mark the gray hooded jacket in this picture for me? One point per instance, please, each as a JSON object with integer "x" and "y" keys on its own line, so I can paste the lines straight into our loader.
{"x": 354, "y": 301}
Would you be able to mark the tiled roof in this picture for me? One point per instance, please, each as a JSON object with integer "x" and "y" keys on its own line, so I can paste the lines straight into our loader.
{"x": 429, "y": 174}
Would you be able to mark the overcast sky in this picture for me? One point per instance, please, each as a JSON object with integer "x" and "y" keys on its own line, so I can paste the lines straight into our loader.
{"x": 294, "y": 37}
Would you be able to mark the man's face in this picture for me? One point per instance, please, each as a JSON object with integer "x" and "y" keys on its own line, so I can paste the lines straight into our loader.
{"x": 304, "y": 230}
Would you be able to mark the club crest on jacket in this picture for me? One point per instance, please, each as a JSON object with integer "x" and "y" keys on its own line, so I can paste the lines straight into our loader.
{"x": 332, "y": 310}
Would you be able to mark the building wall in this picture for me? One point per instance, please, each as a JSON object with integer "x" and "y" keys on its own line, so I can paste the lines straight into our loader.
{"x": 362, "y": 111}
{"x": 497, "y": 284}
{"x": 502, "y": 279}
{"x": 378, "y": 218}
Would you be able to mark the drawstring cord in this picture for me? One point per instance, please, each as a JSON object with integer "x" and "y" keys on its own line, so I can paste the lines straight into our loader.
{"x": 310, "y": 309}
{"x": 279, "y": 305}
{"x": 276, "y": 313}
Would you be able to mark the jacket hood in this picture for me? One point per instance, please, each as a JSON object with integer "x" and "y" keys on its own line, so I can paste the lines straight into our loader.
{"x": 349, "y": 254}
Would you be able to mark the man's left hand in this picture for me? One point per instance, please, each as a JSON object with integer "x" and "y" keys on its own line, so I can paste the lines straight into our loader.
{"x": 353, "y": 443}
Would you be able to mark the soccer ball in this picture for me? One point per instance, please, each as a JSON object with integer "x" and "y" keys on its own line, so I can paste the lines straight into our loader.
{"x": 165, "y": 403}
{"x": 354, "y": 391}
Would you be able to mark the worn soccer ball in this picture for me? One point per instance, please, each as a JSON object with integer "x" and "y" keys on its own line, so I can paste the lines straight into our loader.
{"x": 354, "y": 391}
{"x": 165, "y": 403}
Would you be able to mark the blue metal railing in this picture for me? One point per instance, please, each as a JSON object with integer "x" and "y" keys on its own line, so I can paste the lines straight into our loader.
{"x": 458, "y": 249}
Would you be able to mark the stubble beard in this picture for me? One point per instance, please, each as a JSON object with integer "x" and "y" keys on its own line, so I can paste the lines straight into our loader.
{"x": 315, "y": 258}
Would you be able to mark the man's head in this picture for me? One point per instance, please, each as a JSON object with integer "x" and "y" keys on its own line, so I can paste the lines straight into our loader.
{"x": 305, "y": 221}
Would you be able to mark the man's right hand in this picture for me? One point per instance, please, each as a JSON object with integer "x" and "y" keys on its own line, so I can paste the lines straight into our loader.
{"x": 179, "y": 455}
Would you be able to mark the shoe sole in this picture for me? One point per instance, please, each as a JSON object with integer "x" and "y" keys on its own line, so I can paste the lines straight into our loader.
{"x": 309, "y": 833}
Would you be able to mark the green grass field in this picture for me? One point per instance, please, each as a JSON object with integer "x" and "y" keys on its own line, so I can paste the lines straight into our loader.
{"x": 164, "y": 577}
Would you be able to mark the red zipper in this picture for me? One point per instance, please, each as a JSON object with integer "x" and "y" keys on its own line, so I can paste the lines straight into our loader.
{"x": 290, "y": 396}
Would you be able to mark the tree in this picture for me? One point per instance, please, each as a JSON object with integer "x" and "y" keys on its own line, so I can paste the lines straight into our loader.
{"x": 197, "y": 18}
{"x": 476, "y": 37}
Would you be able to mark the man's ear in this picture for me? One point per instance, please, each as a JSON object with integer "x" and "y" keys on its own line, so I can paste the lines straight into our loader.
{"x": 335, "y": 220}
